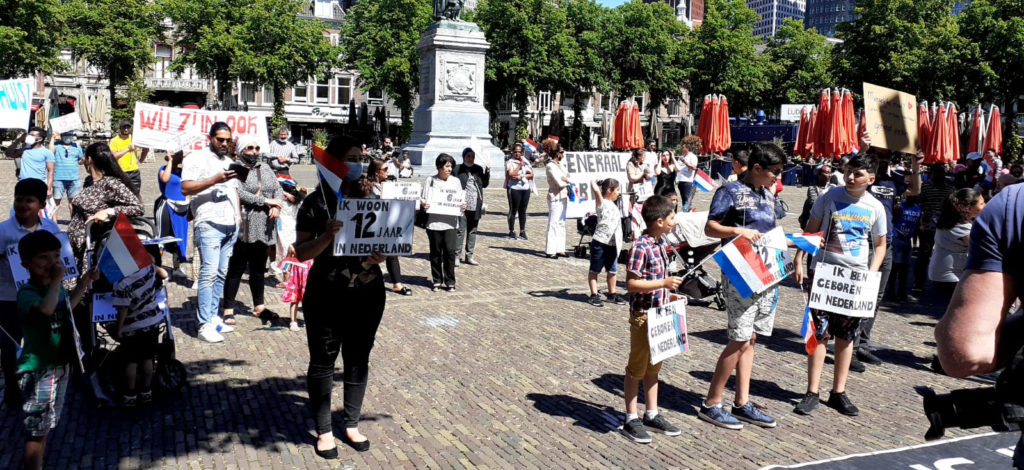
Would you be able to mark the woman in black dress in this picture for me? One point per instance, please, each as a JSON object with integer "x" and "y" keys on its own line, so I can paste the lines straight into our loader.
{"x": 343, "y": 304}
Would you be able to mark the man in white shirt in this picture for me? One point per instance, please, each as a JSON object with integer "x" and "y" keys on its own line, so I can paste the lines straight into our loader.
{"x": 684, "y": 178}
{"x": 282, "y": 153}
{"x": 205, "y": 176}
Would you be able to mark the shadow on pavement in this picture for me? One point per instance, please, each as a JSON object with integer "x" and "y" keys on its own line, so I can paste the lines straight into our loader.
{"x": 781, "y": 340}
{"x": 669, "y": 396}
{"x": 588, "y": 415}
{"x": 559, "y": 294}
{"x": 758, "y": 388}
{"x": 524, "y": 251}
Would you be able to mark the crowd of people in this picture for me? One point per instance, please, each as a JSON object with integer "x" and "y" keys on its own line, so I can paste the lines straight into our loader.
{"x": 247, "y": 215}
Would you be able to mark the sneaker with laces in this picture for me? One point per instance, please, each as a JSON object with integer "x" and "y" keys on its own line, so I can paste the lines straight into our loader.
{"x": 856, "y": 365}
{"x": 842, "y": 404}
{"x": 717, "y": 415}
{"x": 293, "y": 326}
{"x": 865, "y": 355}
{"x": 617, "y": 299}
{"x": 146, "y": 397}
{"x": 661, "y": 424}
{"x": 222, "y": 327}
{"x": 752, "y": 414}
{"x": 208, "y": 332}
{"x": 129, "y": 401}
{"x": 634, "y": 429}
{"x": 808, "y": 404}
{"x": 595, "y": 300}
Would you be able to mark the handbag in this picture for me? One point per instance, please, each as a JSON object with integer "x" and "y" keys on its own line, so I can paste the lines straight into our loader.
{"x": 421, "y": 213}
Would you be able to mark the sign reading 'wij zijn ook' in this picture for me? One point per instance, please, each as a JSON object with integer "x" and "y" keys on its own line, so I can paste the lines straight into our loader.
{"x": 375, "y": 226}
{"x": 846, "y": 291}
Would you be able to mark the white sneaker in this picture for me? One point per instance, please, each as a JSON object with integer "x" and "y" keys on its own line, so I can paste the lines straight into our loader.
{"x": 208, "y": 333}
{"x": 221, "y": 327}
{"x": 293, "y": 326}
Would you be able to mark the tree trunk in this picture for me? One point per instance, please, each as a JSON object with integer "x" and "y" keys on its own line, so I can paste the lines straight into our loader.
{"x": 112, "y": 88}
{"x": 577, "y": 131}
{"x": 277, "y": 120}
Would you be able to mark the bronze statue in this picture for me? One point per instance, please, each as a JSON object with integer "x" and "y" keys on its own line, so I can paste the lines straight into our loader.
{"x": 447, "y": 10}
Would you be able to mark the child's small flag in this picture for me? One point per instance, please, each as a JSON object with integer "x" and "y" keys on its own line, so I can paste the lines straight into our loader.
{"x": 807, "y": 331}
{"x": 286, "y": 180}
{"x": 531, "y": 145}
{"x": 704, "y": 182}
{"x": 808, "y": 242}
{"x": 331, "y": 170}
{"x": 289, "y": 263}
{"x": 746, "y": 270}
{"x": 123, "y": 254}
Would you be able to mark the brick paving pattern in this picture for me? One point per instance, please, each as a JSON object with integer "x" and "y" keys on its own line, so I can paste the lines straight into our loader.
{"x": 515, "y": 370}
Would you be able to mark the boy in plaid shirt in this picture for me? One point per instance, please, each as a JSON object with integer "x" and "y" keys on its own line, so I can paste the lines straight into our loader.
{"x": 649, "y": 287}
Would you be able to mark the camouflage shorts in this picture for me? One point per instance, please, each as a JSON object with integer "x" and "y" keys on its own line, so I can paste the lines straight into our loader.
{"x": 754, "y": 314}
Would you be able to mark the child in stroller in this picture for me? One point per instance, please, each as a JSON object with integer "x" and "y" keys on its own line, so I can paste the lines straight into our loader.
{"x": 688, "y": 248}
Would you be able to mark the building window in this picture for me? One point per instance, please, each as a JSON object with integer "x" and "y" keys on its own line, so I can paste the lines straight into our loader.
{"x": 606, "y": 102}
{"x": 323, "y": 90}
{"x": 323, "y": 9}
{"x": 268, "y": 95}
{"x": 300, "y": 93}
{"x": 344, "y": 95}
{"x": 673, "y": 108}
{"x": 163, "y": 55}
{"x": 246, "y": 93}
{"x": 375, "y": 96}
{"x": 67, "y": 56}
{"x": 544, "y": 101}
{"x": 640, "y": 102}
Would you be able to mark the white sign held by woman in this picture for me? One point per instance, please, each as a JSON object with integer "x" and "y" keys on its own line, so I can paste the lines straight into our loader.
{"x": 375, "y": 226}
{"x": 846, "y": 291}
{"x": 66, "y": 123}
{"x": 445, "y": 201}
{"x": 666, "y": 330}
{"x": 586, "y": 168}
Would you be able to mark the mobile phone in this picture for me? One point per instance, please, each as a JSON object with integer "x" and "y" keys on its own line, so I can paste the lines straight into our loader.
{"x": 241, "y": 171}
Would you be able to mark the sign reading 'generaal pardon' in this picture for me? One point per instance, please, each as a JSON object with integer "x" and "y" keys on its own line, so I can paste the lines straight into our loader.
{"x": 584, "y": 169}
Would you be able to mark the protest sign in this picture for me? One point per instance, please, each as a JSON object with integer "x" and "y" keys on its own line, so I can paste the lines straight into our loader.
{"x": 21, "y": 275}
{"x": 666, "y": 330}
{"x": 66, "y": 123}
{"x": 753, "y": 268}
{"x": 402, "y": 191}
{"x": 375, "y": 226}
{"x": 791, "y": 112}
{"x": 846, "y": 291}
{"x": 891, "y": 118}
{"x": 584, "y": 169}
{"x": 103, "y": 309}
{"x": 445, "y": 201}
{"x": 16, "y": 102}
{"x": 163, "y": 127}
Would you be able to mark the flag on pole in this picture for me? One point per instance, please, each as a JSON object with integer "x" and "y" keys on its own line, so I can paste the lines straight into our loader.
{"x": 752, "y": 270}
{"x": 808, "y": 242}
{"x": 531, "y": 145}
{"x": 286, "y": 180}
{"x": 807, "y": 331}
{"x": 331, "y": 170}
{"x": 123, "y": 254}
{"x": 704, "y": 182}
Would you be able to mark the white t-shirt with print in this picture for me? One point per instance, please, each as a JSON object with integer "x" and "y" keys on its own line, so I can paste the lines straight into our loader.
{"x": 217, "y": 204}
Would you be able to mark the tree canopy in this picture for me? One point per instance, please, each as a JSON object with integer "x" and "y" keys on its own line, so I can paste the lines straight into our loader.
{"x": 723, "y": 58}
{"x": 799, "y": 62}
{"x": 29, "y": 37}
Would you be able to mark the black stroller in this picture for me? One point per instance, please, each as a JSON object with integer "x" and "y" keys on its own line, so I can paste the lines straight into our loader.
{"x": 687, "y": 248}
{"x": 585, "y": 226}
{"x": 104, "y": 365}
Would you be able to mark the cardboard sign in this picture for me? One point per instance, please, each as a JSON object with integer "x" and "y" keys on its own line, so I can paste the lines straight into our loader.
{"x": 66, "y": 123}
{"x": 16, "y": 102}
{"x": 644, "y": 190}
{"x": 103, "y": 309}
{"x": 666, "y": 330}
{"x": 584, "y": 169}
{"x": 375, "y": 226}
{"x": 445, "y": 201}
{"x": 402, "y": 191}
{"x": 891, "y": 118}
{"x": 846, "y": 291}
{"x": 162, "y": 127}
{"x": 21, "y": 275}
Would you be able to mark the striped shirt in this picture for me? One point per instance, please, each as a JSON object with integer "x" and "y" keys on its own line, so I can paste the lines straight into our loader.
{"x": 931, "y": 201}
{"x": 137, "y": 294}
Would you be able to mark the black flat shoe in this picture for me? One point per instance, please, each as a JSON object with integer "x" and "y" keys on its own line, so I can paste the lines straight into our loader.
{"x": 329, "y": 454}
{"x": 358, "y": 446}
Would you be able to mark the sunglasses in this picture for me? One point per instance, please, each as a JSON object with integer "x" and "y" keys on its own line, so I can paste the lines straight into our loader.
{"x": 222, "y": 140}
{"x": 253, "y": 147}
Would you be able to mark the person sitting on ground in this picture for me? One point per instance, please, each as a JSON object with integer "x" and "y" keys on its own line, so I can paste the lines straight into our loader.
{"x": 853, "y": 222}
{"x": 606, "y": 241}
{"x": 44, "y": 313}
{"x": 649, "y": 287}
{"x": 139, "y": 315}
{"x": 406, "y": 166}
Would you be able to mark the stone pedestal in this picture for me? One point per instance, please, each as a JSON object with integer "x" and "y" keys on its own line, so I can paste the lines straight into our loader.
{"x": 451, "y": 107}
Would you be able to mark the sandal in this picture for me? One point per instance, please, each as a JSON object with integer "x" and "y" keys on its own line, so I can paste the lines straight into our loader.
{"x": 404, "y": 291}
{"x": 229, "y": 319}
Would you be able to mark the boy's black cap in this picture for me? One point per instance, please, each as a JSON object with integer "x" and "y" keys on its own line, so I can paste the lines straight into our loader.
{"x": 31, "y": 187}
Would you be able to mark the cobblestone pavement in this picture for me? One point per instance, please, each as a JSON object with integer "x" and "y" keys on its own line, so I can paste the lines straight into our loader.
{"x": 515, "y": 370}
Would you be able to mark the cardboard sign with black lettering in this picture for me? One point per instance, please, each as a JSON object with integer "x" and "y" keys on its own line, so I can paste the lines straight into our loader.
{"x": 402, "y": 191}
{"x": 584, "y": 169}
{"x": 666, "y": 330}
{"x": 375, "y": 226}
{"x": 445, "y": 201}
{"x": 21, "y": 275}
{"x": 846, "y": 291}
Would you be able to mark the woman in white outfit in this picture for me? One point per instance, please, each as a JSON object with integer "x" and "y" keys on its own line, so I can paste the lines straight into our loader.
{"x": 558, "y": 181}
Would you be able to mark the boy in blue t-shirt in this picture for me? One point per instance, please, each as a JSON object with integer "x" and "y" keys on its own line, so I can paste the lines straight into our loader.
{"x": 853, "y": 222}
{"x": 906, "y": 219}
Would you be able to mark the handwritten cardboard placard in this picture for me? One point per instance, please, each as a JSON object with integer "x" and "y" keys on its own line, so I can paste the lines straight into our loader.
{"x": 587, "y": 167}
{"x": 666, "y": 330}
{"x": 21, "y": 275}
{"x": 164, "y": 127}
{"x": 846, "y": 291}
{"x": 445, "y": 201}
{"x": 891, "y": 118}
{"x": 375, "y": 226}
{"x": 16, "y": 102}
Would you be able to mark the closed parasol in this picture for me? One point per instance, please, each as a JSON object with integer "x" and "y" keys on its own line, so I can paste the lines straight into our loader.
{"x": 836, "y": 134}
{"x": 635, "y": 132}
{"x": 725, "y": 133}
{"x": 619, "y": 128}
{"x": 810, "y": 140}
{"x": 849, "y": 123}
{"x": 952, "y": 132}
{"x": 977, "y": 138}
{"x": 824, "y": 126}
{"x": 924, "y": 128}
{"x": 704, "y": 126}
{"x": 799, "y": 148}
{"x": 994, "y": 136}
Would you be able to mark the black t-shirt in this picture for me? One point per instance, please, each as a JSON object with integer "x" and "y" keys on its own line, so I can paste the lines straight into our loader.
{"x": 329, "y": 271}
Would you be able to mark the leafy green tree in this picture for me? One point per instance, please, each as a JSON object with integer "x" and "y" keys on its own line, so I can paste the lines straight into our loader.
{"x": 589, "y": 67}
{"x": 204, "y": 32}
{"x": 909, "y": 45}
{"x": 379, "y": 39}
{"x": 997, "y": 28}
{"x": 280, "y": 49}
{"x": 116, "y": 36}
{"x": 29, "y": 35}
{"x": 722, "y": 57}
{"x": 646, "y": 45}
{"x": 798, "y": 61}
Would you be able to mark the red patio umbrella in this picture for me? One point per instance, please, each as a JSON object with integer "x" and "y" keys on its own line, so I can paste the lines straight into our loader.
{"x": 924, "y": 128}
{"x": 936, "y": 143}
{"x": 704, "y": 127}
{"x": 994, "y": 136}
{"x": 849, "y": 123}
{"x": 714, "y": 128}
{"x": 977, "y": 131}
{"x": 636, "y": 132}
{"x": 836, "y": 133}
{"x": 724, "y": 132}
{"x": 801, "y": 135}
{"x": 619, "y": 130}
{"x": 810, "y": 139}
{"x": 953, "y": 132}
{"x": 824, "y": 127}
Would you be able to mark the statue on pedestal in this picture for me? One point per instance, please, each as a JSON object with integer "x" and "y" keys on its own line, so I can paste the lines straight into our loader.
{"x": 448, "y": 10}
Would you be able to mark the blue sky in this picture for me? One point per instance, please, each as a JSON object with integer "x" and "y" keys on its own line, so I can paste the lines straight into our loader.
{"x": 611, "y": 3}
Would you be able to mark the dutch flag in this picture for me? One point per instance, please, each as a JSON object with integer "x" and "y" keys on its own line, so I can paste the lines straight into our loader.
{"x": 531, "y": 145}
{"x": 286, "y": 180}
{"x": 123, "y": 254}
{"x": 331, "y": 170}
{"x": 807, "y": 331}
{"x": 704, "y": 182}
{"x": 743, "y": 266}
{"x": 808, "y": 242}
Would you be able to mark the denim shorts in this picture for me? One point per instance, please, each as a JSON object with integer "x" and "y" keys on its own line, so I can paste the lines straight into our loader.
{"x": 901, "y": 251}
{"x": 603, "y": 256}
{"x": 66, "y": 189}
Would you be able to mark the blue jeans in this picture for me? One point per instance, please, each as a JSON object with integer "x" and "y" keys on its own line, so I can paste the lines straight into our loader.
{"x": 215, "y": 244}
{"x": 686, "y": 194}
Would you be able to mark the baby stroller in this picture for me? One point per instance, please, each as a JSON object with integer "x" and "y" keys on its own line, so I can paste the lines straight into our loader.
{"x": 687, "y": 247}
{"x": 104, "y": 358}
{"x": 585, "y": 226}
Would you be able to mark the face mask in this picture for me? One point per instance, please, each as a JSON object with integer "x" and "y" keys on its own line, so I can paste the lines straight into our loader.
{"x": 355, "y": 170}
{"x": 30, "y": 140}
{"x": 66, "y": 140}
{"x": 280, "y": 140}
{"x": 248, "y": 159}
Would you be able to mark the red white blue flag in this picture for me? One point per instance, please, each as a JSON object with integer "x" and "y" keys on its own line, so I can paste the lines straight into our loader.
{"x": 531, "y": 145}
{"x": 332, "y": 171}
{"x": 704, "y": 182}
{"x": 123, "y": 254}
{"x": 752, "y": 269}
{"x": 807, "y": 331}
{"x": 808, "y": 242}
{"x": 286, "y": 180}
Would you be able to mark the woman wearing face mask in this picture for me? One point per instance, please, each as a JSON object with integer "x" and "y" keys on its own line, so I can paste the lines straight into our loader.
{"x": 66, "y": 184}
{"x": 170, "y": 212}
{"x": 110, "y": 193}
{"x": 441, "y": 229}
{"x": 343, "y": 304}
{"x": 376, "y": 174}
{"x": 260, "y": 198}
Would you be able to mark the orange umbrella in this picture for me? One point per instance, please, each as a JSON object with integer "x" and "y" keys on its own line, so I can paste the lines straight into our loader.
{"x": 849, "y": 123}
{"x": 636, "y": 133}
{"x": 824, "y": 127}
{"x": 801, "y": 135}
{"x": 977, "y": 131}
{"x": 924, "y": 128}
{"x": 704, "y": 128}
{"x": 835, "y": 131}
{"x": 715, "y": 126}
{"x": 725, "y": 133}
{"x": 953, "y": 133}
{"x": 619, "y": 131}
{"x": 994, "y": 136}
{"x": 811, "y": 138}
